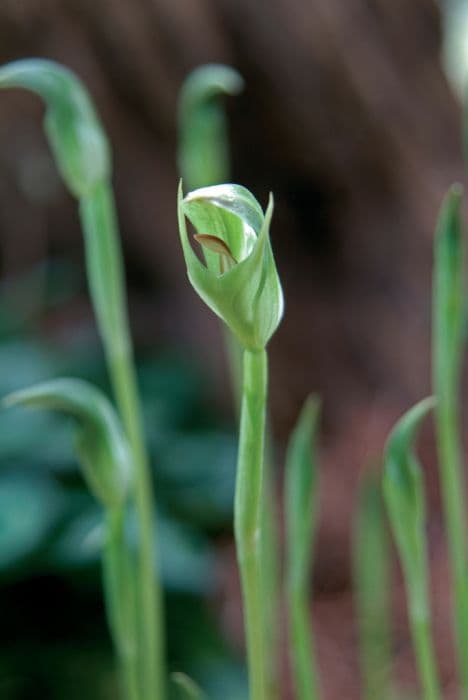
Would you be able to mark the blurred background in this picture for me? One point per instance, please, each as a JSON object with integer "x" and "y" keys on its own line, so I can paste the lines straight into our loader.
{"x": 351, "y": 115}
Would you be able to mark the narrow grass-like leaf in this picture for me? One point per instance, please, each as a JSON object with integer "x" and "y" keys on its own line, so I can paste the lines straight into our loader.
{"x": 188, "y": 689}
{"x": 372, "y": 579}
{"x": 101, "y": 445}
{"x": 301, "y": 505}
{"x": 203, "y": 144}
{"x": 405, "y": 500}
{"x": 448, "y": 320}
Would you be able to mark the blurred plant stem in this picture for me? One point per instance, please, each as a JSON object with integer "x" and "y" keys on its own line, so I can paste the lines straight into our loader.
{"x": 99, "y": 223}
{"x": 119, "y": 586}
{"x": 448, "y": 342}
{"x": 372, "y": 576}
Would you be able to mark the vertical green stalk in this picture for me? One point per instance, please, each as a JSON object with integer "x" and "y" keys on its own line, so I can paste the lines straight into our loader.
{"x": 248, "y": 513}
{"x": 301, "y": 506}
{"x": 420, "y": 621}
{"x": 99, "y": 222}
{"x": 404, "y": 495}
{"x": 371, "y": 574}
{"x": 448, "y": 319}
{"x": 120, "y": 599}
{"x": 204, "y": 159}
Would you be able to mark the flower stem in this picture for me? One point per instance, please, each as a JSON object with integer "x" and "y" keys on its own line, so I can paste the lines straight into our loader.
{"x": 120, "y": 599}
{"x": 248, "y": 513}
{"x": 420, "y": 623}
{"x": 99, "y": 222}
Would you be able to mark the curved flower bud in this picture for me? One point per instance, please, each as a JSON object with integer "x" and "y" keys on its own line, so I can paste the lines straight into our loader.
{"x": 203, "y": 151}
{"x": 74, "y": 130}
{"x": 100, "y": 442}
{"x": 239, "y": 281}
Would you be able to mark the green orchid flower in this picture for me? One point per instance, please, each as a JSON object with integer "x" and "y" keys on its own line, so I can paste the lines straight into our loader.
{"x": 239, "y": 280}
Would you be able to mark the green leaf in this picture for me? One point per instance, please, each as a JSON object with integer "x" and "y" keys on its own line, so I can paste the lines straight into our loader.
{"x": 188, "y": 689}
{"x": 402, "y": 484}
{"x": 301, "y": 501}
{"x": 248, "y": 297}
{"x": 100, "y": 442}
{"x": 74, "y": 130}
{"x": 203, "y": 144}
{"x": 372, "y": 584}
{"x": 30, "y": 508}
{"x": 448, "y": 295}
{"x": 301, "y": 494}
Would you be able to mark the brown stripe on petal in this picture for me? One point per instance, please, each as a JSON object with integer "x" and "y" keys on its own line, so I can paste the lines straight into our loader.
{"x": 216, "y": 245}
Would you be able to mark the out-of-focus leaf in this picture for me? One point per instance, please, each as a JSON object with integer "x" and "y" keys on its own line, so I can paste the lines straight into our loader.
{"x": 186, "y": 561}
{"x": 29, "y": 508}
{"x": 100, "y": 442}
{"x": 196, "y": 476}
{"x": 79, "y": 543}
{"x": 402, "y": 483}
{"x": 187, "y": 688}
{"x": 301, "y": 492}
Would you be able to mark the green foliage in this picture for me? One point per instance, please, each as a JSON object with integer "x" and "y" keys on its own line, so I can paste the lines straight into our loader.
{"x": 203, "y": 156}
{"x": 301, "y": 493}
{"x": 301, "y": 506}
{"x": 448, "y": 341}
{"x": 75, "y": 133}
{"x": 188, "y": 689}
{"x": 100, "y": 443}
{"x": 402, "y": 485}
{"x": 372, "y": 581}
{"x": 449, "y": 304}
{"x": 405, "y": 500}
{"x": 248, "y": 296}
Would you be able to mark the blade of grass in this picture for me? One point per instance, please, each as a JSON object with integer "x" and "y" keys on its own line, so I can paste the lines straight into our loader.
{"x": 404, "y": 496}
{"x": 301, "y": 505}
{"x": 372, "y": 575}
{"x": 448, "y": 315}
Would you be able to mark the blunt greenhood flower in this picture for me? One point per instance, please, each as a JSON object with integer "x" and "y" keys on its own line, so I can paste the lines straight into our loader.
{"x": 239, "y": 281}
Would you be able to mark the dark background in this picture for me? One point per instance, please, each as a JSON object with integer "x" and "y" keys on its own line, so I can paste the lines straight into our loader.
{"x": 348, "y": 118}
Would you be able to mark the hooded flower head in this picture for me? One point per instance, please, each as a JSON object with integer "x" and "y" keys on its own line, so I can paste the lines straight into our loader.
{"x": 239, "y": 280}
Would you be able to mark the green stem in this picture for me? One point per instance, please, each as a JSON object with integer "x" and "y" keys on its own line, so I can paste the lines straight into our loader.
{"x": 99, "y": 222}
{"x": 269, "y": 549}
{"x": 302, "y": 652}
{"x": 422, "y": 638}
{"x": 120, "y": 600}
{"x": 454, "y": 508}
{"x": 270, "y": 574}
{"x": 248, "y": 513}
